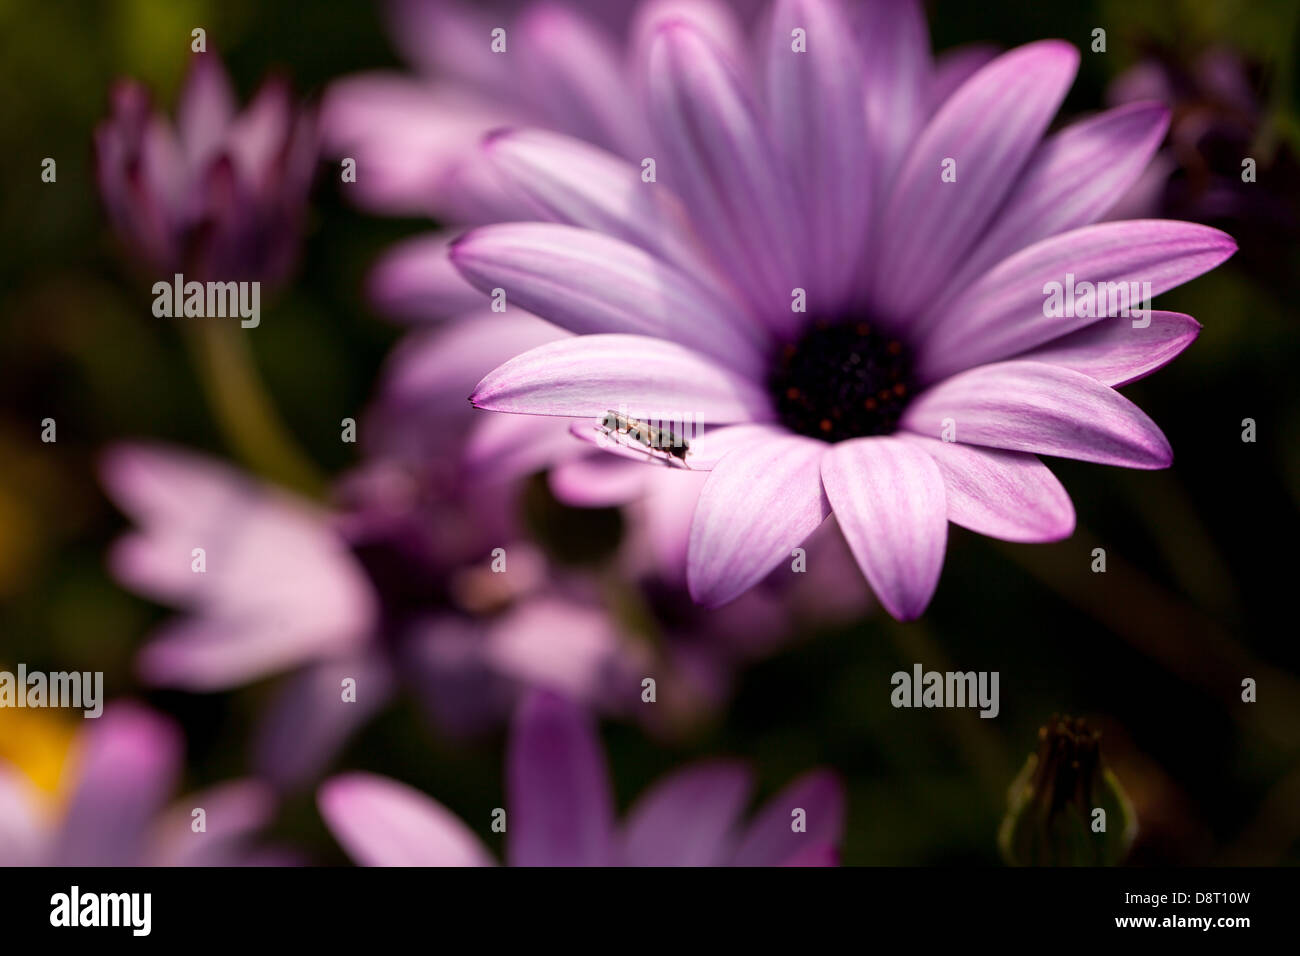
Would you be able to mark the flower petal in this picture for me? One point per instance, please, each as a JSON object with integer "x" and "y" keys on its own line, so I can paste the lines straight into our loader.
{"x": 1069, "y": 182}
{"x": 1003, "y": 494}
{"x": 129, "y": 761}
{"x": 816, "y": 108}
{"x": 760, "y": 501}
{"x": 505, "y": 447}
{"x": 716, "y": 19}
{"x": 573, "y": 71}
{"x": 597, "y": 481}
{"x": 381, "y": 822}
{"x": 233, "y": 812}
{"x": 410, "y": 139}
{"x": 1115, "y": 353}
{"x": 954, "y": 67}
{"x": 591, "y": 283}
{"x": 989, "y": 128}
{"x": 572, "y": 649}
{"x": 1044, "y": 409}
{"x": 1003, "y": 313}
{"x": 420, "y": 405}
{"x": 771, "y": 841}
{"x": 585, "y": 376}
{"x": 24, "y": 828}
{"x": 895, "y": 43}
{"x": 716, "y": 154}
{"x": 206, "y": 109}
{"x": 308, "y": 723}
{"x": 574, "y": 183}
{"x": 561, "y": 809}
{"x": 688, "y": 817}
{"x": 415, "y": 281}
{"x": 888, "y": 497}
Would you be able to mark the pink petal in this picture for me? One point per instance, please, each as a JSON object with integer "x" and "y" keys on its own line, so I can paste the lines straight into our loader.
{"x": 430, "y": 372}
{"x": 573, "y": 70}
{"x": 410, "y": 140}
{"x": 591, "y": 283}
{"x": 1114, "y": 352}
{"x": 888, "y": 497}
{"x": 771, "y": 839}
{"x": 716, "y": 19}
{"x": 561, "y": 646}
{"x": 714, "y": 151}
{"x": 598, "y": 481}
{"x": 506, "y": 447}
{"x": 759, "y": 502}
{"x": 233, "y": 812}
{"x": 1070, "y": 181}
{"x": 687, "y": 818}
{"x": 128, "y": 763}
{"x": 895, "y": 44}
{"x": 588, "y": 375}
{"x": 1003, "y": 494}
{"x": 381, "y": 822}
{"x": 1044, "y": 409}
{"x": 815, "y": 104}
{"x": 821, "y": 854}
{"x": 415, "y": 281}
{"x": 989, "y": 127}
{"x": 24, "y": 829}
{"x": 558, "y": 797}
{"x": 309, "y": 722}
{"x": 447, "y": 38}
{"x": 1002, "y": 314}
{"x": 954, "y": 67}
{"x": 206, "y": 108}
{"x": 574, "y": 183}
{"x": 216, "y": 653}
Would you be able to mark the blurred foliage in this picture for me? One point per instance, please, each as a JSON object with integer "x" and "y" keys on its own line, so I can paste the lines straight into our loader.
{"x": 1196, "y": 597}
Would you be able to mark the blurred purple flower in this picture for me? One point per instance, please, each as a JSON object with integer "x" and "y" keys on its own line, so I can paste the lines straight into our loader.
{"x": 219, "y": 197}
{"x": 561, "y": 811}
{"x": 366, "y": 593}
{"x": 1216, "y": 122}
{"x": 920, "y": 293}
{"x": 414, "y": 137}
{"x": 123, "y": 768}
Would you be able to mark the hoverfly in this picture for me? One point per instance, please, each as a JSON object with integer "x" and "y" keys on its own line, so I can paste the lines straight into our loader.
{"x": 654, "y": 441}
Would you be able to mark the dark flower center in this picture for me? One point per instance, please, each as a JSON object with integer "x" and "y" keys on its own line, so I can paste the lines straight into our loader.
{"x": 842, "y": 380}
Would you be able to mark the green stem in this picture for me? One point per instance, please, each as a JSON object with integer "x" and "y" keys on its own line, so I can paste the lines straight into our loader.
{"x": 244, "y": 411}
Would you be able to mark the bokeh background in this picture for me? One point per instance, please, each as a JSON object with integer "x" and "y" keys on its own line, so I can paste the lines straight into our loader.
{"x": 1201, "y": 583}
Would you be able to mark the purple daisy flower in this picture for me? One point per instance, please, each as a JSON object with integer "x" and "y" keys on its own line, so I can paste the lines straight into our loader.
{"x": 116, "y": 784}
{"x": 219, "y": 197}
{"x": 851, "y": 279}
{"x": 560, "y": 811}
{"x": 390, "y": 589}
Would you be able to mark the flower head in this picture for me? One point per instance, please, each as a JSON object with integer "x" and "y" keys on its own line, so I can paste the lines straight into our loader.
{"x": 376, "y": 594}
{"x": 221, "y": 195}
{"x": 116, "y": 783}
{"x": 560, "y": 811}
{"x": 847, "y": 279}
{"x": 1065, "y": 806}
